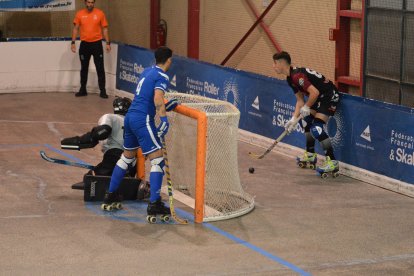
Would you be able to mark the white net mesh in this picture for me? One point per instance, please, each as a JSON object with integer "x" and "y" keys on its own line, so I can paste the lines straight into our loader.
{"x": 224, "y": 196}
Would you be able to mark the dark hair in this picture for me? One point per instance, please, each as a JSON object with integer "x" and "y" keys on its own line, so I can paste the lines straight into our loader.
{"x": 162, "y": 54}
{"x": 282, "y": 55}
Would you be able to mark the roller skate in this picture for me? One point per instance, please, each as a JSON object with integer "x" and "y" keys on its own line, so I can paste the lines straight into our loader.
{"x": 158, "y": 208}
{"x": 112, "y": 201}
{"x": 329, "y": 167}
{"x": 307, "y": 160}
{"x": 143, "y": 190}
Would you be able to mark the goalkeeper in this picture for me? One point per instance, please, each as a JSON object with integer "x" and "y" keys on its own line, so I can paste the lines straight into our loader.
{"x": 110, "y": 131}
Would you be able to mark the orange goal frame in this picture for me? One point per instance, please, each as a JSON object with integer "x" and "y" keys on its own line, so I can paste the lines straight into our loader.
{"x": 201, "y": 118}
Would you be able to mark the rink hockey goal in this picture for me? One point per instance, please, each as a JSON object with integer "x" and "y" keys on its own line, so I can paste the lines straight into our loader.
{"x": 202, "y": 152}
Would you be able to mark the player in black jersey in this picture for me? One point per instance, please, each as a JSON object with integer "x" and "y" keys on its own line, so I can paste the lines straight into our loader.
{"x": 322, "y": 100}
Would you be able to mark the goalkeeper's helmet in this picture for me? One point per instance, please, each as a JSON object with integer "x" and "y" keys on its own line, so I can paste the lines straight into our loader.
{"x": 121, "y": 105}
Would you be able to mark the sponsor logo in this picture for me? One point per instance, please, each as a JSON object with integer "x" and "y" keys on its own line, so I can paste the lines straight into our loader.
{"x": 403, "y": 153}
{"x": 129, "y": 71}
{"x": 336, "y": 129}
{"x": 93, "y": 188}
{"x": 402, "y": 140}
{"x": 281, "y": 121}
{"x": 284, "y": 111}
{"x": 231, "y": 92}
{"x": 210, "y": 88}
{"x": 194, "y": 87}
{"x": 123, "y": 75}
{"x": 301, "y": 81}
{"x": 138, "y": 68}
{"x": 401, "y": 156}
{"x": 256, "y": 103}
{"x": 366, "y": 134}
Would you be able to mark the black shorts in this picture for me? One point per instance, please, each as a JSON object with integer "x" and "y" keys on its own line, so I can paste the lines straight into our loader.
{"x": 327, "y": 102}
{"x": 108, "y": 163}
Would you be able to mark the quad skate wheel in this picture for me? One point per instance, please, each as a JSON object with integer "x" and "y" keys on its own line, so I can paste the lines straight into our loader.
{"x": 117, "y": 205}
{"x": 335, "y": 174}
{"x": 312, "y": 166}
{"x": 151, "y": 219}
{"x": 165, "y": 218}
{"x": 324, "y": 175}
{"x": 106, "y": 207}
{"x": 301, "y": 165}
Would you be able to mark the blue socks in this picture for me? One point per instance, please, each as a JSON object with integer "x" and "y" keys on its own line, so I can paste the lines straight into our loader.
{"x": 155, "y": 185}
{"x": 116, "y": 178}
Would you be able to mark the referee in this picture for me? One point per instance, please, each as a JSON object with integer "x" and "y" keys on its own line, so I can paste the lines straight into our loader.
{"x": 92, "y": 24}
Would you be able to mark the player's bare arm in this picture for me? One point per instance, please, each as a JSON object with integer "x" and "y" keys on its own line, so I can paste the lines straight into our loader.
{"x": 106, "y": 36}
{"x": 159, "y": 103}
{"x": 300, "y": 101}
{"x": 313, "y": 96}
{"x": 160, "y": 108}
{"x": 75, "y": 32}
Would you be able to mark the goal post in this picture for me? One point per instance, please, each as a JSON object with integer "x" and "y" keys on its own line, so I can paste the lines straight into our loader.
{"x": 200, "y": 156}
{"x": 202, "y": 148}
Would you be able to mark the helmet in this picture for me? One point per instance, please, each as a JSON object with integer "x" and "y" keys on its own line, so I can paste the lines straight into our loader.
{"x": 121, "y": 105}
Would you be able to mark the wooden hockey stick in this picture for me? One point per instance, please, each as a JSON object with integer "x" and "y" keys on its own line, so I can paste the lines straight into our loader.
{"x": 169, "y": 186}
{"x": 284, "y": 133}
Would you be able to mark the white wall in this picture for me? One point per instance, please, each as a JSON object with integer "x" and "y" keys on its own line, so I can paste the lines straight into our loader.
{"x": 49, "y": 66}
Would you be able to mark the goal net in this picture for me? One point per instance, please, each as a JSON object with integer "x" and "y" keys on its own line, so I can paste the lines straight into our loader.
{"x": 202, "y": 154}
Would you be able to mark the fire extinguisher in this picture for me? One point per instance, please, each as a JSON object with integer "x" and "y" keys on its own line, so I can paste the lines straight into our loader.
{"x": 161, "y": 33}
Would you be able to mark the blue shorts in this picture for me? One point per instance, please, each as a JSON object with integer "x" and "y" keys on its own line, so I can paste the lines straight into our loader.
{"x": 140, "y": 132}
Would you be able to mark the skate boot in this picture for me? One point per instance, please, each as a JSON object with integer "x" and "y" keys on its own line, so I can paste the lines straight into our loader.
{"x": 112, "y": 201}
{"x": 143, "y": 190}
{"x": 307, "y": 160}
{"x": 158, "y": 208}
{"x": 329, "y": 167}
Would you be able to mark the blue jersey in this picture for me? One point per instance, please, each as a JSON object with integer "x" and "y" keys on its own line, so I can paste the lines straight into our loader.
{"x": 143, "y": 104}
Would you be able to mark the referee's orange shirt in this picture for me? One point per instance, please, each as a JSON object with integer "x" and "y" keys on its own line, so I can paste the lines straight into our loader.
{"x": 90, "y": 24}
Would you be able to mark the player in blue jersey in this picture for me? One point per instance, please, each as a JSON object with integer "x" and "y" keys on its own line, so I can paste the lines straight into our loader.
{"x": 140, "y": 131}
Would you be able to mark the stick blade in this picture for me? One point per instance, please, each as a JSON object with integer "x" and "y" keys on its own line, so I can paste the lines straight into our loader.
{"x": 44, "y": 156}
{"x": 256, "y": 156}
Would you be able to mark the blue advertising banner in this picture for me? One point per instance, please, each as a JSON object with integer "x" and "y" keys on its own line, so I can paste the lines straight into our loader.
{"x": 365, "y": 133}
{"x": 37, "y": 5}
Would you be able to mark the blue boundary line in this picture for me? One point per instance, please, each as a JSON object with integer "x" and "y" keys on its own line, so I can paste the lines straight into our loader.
{"x": 136, "y": 207}
{"x": 256, "y": 249}
{"x": 249, "y": 245}
{"x": 207, "y": 225}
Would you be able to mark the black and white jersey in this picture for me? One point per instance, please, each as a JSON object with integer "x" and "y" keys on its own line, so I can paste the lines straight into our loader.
{"x": 301, "y": 78}
{"x": 116, "y": 138}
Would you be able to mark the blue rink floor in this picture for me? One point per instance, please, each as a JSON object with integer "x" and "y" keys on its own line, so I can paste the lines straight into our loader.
{"x": 301, "y": 225}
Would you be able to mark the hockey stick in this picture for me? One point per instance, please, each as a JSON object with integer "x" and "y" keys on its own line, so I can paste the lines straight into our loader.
{"x": 169, "y": 186}
{"x": 284, "y": 133}
{"x": 65, "y": 162}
